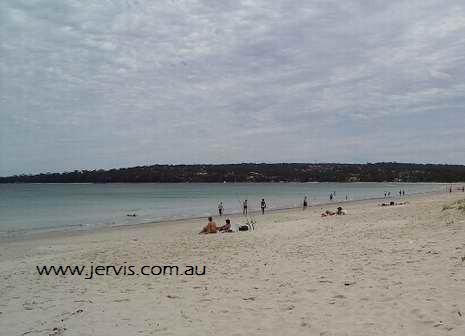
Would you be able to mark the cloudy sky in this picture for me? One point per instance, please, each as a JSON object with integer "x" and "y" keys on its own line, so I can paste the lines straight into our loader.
{"x": 113, "y": 83}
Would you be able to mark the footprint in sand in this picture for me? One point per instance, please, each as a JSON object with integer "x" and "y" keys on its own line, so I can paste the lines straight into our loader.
{"x": 121, "y": 300}
{"x": 57, "y": 331}
{"x": 421, "y": 317}
{"x": 339, "y": 296}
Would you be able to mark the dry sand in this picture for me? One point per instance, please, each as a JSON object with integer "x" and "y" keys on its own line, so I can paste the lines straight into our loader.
{"x": 376, "y": 271}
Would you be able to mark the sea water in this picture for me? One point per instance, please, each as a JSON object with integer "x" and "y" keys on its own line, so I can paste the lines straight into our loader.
{"x": 26, "y": 208}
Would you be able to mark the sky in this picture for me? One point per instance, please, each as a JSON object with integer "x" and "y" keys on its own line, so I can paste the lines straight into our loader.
{"x": 110, "y": 83}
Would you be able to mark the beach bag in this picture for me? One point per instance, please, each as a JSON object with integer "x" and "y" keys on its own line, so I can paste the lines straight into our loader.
{"x": 243, "y": 228}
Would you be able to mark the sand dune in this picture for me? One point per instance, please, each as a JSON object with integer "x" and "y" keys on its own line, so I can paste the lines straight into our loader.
{"x": 376, "y": 271}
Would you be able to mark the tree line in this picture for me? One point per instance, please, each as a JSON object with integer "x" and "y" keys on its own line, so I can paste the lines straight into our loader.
{"x": 256, "y": 172}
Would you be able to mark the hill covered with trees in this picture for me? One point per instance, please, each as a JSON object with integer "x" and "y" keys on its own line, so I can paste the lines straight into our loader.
{"x": 257, "y": 172}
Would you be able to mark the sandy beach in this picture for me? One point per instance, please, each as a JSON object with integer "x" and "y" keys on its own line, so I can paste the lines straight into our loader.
{"x": 376, "y": 271}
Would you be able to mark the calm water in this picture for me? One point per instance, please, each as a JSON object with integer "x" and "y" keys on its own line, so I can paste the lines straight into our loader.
{"x": 36, "y": 207}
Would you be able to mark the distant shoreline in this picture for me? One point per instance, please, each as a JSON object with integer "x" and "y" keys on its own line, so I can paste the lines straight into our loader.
{"x": 265, "y": 182}
{"x": 255, "y": 172}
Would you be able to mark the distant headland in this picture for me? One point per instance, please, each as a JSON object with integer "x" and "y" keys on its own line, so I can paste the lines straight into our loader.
{"x": 256, "y": 172}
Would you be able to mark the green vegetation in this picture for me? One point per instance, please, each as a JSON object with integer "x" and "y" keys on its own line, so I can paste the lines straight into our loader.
{"x": 257, "y": 172}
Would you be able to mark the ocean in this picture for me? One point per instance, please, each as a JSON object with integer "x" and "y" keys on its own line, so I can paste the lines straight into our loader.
{"x": 28, "y": 208}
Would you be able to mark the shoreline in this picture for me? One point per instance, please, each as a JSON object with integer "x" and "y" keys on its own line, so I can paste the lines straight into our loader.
{"x": 376, "y": 271}
{"x": 82, "y": 230}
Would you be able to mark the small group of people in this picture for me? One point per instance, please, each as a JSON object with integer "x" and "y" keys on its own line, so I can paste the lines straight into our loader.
{"x": 245, "y": 207}
{"x": 460, "y": 189}
{"x": 211, "y": 227}
{"x": 339, "y": 211}
{"x": 263, "y": 205}
{"x": 332, "y": 196}
{"x": 387, "y": 194}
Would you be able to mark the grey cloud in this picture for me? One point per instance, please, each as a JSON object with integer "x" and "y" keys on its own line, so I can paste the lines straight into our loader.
{"x": 88, "y": 84}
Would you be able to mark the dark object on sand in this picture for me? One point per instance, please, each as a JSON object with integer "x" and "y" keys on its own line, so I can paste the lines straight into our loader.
{"x": 392, "y": 203}
{"x": 339, "y": 211}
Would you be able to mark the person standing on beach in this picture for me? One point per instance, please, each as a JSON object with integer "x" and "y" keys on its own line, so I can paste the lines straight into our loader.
{"x": 305, "y": 204}
{"x": 220, "y": 208}
{"x": 263, "y": 206}
{"x": 331, "y": 196}
{"x": 403, "y": 192}
{"x": 244, "y": 208}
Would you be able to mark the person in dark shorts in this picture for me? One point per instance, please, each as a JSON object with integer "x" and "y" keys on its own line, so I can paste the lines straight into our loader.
{"x": 220, "y": 208}
{"x": 244, "y": 208}
{"x": 305, "y": 203}
{"x": 263, "y": 206}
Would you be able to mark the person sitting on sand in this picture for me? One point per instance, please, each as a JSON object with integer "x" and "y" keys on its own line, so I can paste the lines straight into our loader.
{"x": 226, "y": 227}
{"x": 328, "y": 213}
{"x": 339, "y": 211}
{"x": 388, "y": 204}
{"x": 210, "y": 227}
